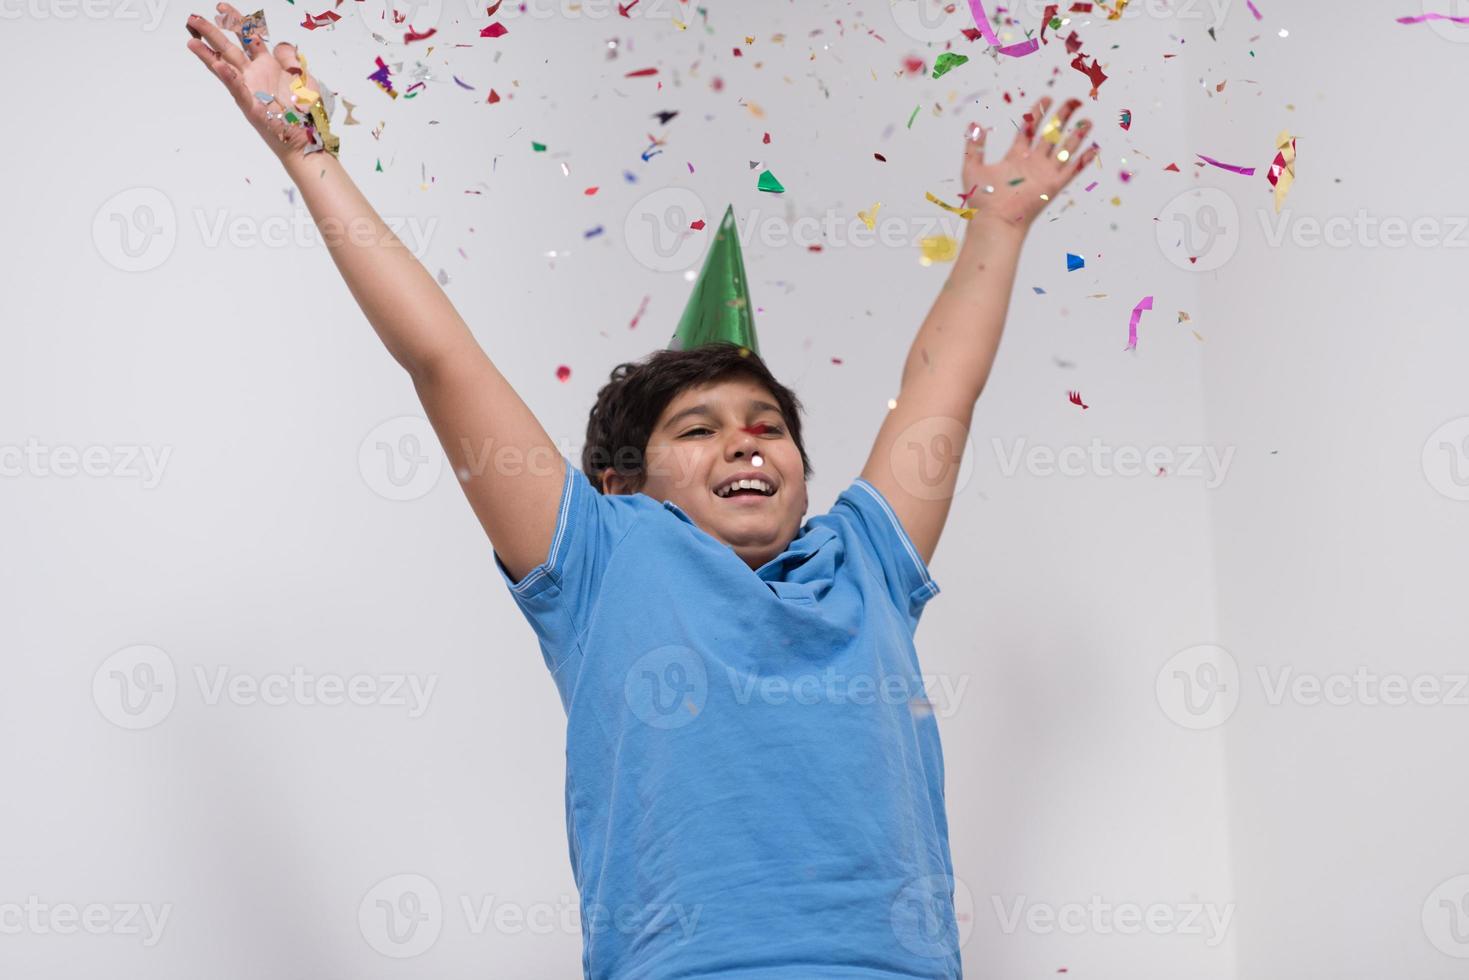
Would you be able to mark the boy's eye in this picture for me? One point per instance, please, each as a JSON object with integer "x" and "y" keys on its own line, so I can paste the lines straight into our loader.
{"x": 699, "y": 429}
{"x": 762, "y": 428}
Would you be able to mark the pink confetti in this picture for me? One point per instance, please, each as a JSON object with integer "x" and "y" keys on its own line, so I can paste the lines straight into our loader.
{"x": 1253, "y": 9}
{"x": 1091, "y": 185}
{"x": 982, "y": 21}
{"x": 1247, "y": 171}
{"x": 1146, "y": 303}
{"x": 1422, "y": 17}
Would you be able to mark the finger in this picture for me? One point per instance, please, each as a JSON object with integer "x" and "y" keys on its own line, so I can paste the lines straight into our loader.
{"x": 1067, "y": 150}
{"x": 1080, "y": 163}
{"x": 285, "y": 53}
{"x": 974, "y": 143}
{"x": 1026, "y": 137}
{"x": 219, "y": 41}
{"x": 253, "y": 43}
{"x": 228, "y": 75}
{"x": 1051, "y": 135}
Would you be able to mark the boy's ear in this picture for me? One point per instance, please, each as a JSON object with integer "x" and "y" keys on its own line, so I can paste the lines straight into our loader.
{"x": 615, "y": 483}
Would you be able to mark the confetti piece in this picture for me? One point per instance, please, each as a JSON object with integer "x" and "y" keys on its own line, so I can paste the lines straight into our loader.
{"x": 411, "y": 35}
{"x": 1282, "y": 171}
{"x": 538, "y": 147}
{"x": 494, "y": 97}
{"x": 1146, "y": 303}
{"x": 1090, "y": 186}
{"x": 766, "y": 139}
{"x": 913, "y": 116}
{"x": 1254, "y": 9}
{"x": 880, "y": 158}
{"x": 1126, "y": 120}
{"x": 461, "y": 83}
{"x": 1423, "y": 17}
{"x": 665, "y": 116}
{"x": 563, "y": 373}
{"x": 1074, "y": 262}
{"x": 593, "y": 232}
{"x": 1246, "y": 171}
{"x": 937, "y": 248}
{"x": 982, "y": 21}
{"x": 769, "y": 183}
{"x": 947, "y": 62}
{"x": 590, "y": 191}
{"x": 495, "y": 30}
{"x": 311, "y": 22}
{"x": 1172, "y": 168}
{"x": 1094, "y": 73}
{"x": 639, "y": 314}
{"x": 641, "y": 73}
{"x": 383, "y": 78}
{"x": 965, "y": 213}
{"x": 1075, "y": 398}
{"x": 697, "y": 225}
{"x": 1038, "y": 290}
{"x": 869, "y": 218}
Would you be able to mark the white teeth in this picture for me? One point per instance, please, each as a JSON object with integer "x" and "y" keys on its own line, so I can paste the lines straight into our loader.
{"x": 760, "y": 485}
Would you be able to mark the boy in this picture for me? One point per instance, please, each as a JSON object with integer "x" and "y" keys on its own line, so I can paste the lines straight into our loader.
{"x": 754, "y": 781}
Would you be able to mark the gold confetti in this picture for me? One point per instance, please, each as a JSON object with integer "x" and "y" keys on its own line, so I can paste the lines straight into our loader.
{"x": 965, "y": 213}
{"x": 869, "y": 218}
{"x": 937, "y": 248}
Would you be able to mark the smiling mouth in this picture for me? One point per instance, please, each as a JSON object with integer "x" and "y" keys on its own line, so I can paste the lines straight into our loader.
{"x": 746, "y": 493}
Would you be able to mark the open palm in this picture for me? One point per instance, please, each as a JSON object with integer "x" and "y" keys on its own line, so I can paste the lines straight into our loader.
{"x": 246, "y": 71}
{"x": 1014, "y": 189}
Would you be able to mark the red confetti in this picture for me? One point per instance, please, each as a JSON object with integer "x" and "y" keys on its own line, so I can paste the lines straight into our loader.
{"x": 495, "y": 30}
{"x": 590, "y": 191}
{"x": 880, "y": 157}
{"x": 766, "y": 139}
{"x": 1094, "y": 73}
{"x": 738, "y": 53}
{"x": 697, "y": 225}
{"x": 413, "y": 35}
{"x": 836, "y": 360}
{"x": 912, "y": 65}
{"x": 1173, "y": 167}
{"x": 641, "y": 73}
{"x": 1075, "y": 398}
{"x": 311, "y": 23}
{"x": 563, "y": 373}
{"x": 490, "y": 11}
{"x": 494, "y": 97}
{"x": 622, "y": 10}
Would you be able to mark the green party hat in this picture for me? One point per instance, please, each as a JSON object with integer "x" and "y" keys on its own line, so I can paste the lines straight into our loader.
{"x": 719, "y": 308}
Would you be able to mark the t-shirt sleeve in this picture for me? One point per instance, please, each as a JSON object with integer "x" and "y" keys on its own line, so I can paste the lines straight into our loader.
{"x": 876, "y": 525}
{"x": 557, "y": 596}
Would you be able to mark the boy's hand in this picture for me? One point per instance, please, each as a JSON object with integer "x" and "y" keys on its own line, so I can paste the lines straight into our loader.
{"x": 1038, "y": 163}
{"x": 246, "y": 71}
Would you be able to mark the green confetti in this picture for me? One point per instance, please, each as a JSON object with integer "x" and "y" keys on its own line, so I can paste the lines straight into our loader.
{"x": 1055, "y": 23}
{"x": 946, "y": 62}
{"x": 769, "y": 183}
{"x": 380, "y": 165}
{"x": 292, "y": 118}
{"x": 538, "y": 147}
{"x": 913, "y": 117}
{"x": 1017, "y": 180}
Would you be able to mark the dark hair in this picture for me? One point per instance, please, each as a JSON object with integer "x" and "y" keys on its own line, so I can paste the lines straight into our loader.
{"x": 629, "y": 405}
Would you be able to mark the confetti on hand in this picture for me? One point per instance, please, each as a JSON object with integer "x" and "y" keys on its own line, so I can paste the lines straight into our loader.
{"x": 1012, "y": 191}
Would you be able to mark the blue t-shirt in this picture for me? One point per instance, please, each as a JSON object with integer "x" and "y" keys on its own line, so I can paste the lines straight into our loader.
{"x": 754, "y": 784}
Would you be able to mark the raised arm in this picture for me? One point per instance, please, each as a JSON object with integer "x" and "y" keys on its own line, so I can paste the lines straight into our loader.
{"x": 510, "y": 469}
{"x": 915, "y": 459}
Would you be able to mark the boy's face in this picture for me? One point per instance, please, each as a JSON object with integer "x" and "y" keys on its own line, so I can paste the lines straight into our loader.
{"x": 705, "y": 437}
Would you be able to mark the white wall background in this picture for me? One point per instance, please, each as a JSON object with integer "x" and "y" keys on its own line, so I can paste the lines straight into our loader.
{"x": 1078, "y": 775}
